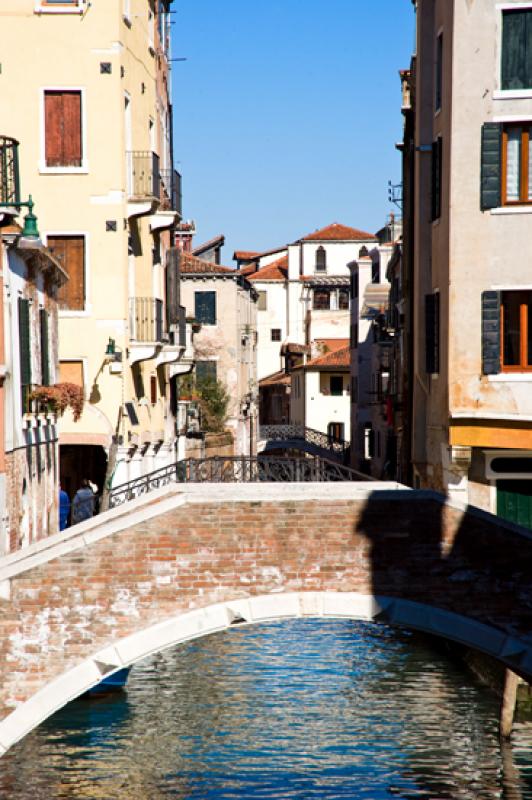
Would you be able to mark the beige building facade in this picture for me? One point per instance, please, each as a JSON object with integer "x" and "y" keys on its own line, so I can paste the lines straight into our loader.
{"x": 93, "y": 115}
{"x": 472, "y": 254}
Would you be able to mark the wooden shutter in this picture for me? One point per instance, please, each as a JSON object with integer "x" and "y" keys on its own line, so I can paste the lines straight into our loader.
{"x": 62, "y": 120}
{"x": 70, "y": 252}
{"x": 45, "y": 348}
{"x": 491, "y": 333}
{"x": 432, "y": 333}
{"x": 173, "y": 299}
{"x": 491, "y": 166}
{"x": 25, "y": 349}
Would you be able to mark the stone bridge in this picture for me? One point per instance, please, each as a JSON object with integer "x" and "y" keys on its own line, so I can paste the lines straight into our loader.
{"x": 182, "y": 563}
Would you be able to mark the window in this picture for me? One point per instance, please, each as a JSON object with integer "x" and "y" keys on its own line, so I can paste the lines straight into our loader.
{"x": 516, "y": 60}
{"x": 516, "y": 164}
{"x": 25, "y": 350}
{"x": 336, "y": 385}
{"x": 64, "y": 6}
{"x": 205, "y": 307}
{"x": 437, "y": 149}
{"x": 45, "y": 349}
{"x": 321, "y": 299}
{"x": 343, "y": 299}
{"x": 262, "y": 304}
{"x": 276, "y": 334}
{"x": 321, "y": 260}
{"x": 71, "y": 372}
{"x": 335, "y": 431}
{"x": 62, "y": 129}
{"x": 516, "y": 330}
{"x": 438, "y": 77}
{"x": 206, "y": 371}
{"x": 432, "y": 333}
{"x": 153, "y": 389}
{"x": 70, "y": 252}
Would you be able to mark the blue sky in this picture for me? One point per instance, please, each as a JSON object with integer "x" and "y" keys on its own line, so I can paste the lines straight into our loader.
{"x": 286, "y": 113}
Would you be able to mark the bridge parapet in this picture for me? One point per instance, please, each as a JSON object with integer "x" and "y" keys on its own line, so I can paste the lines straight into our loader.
{"x": 180, "y": 564}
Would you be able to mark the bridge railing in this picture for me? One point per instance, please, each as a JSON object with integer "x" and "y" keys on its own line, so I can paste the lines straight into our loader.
{"x": 295, "y": 431}
{"x": 235, "y": 469}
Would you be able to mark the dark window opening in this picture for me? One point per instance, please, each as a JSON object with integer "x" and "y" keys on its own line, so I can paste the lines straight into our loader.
{"x": 205, "y": 307}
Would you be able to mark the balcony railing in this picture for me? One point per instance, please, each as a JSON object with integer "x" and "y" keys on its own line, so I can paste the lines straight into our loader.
{"x": 9, "y": 174}
{"x": 146, "y": 319}
{"x": 171, "y": 190}
{"x": 143, "y": 178}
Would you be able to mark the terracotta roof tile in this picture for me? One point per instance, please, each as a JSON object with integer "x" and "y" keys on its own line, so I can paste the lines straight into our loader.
{"x": 277, "y": 378}
{"x": 191, "y": 265}
{"x": 276, "y": 271}
{"x": 244, "y": 255}
{"x": 338, "y": 358}
{"x": 337, "y": 232}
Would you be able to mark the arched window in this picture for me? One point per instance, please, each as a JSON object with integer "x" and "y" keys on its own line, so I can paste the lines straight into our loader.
{"x": 321, "y": 260}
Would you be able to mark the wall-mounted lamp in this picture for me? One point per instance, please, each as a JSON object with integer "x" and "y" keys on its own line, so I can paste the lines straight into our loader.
{"x": 112, "y": 351}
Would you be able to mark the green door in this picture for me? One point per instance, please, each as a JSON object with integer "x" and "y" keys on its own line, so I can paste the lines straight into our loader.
{"x": 514, "y": 502}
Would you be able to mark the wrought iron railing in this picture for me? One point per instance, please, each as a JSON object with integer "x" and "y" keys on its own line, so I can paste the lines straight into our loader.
{"x": 9, "y": 173}
{"x": 143, "y": 174}
{"x": 236, "y": 469}
{"x": 171, "y": 190}
{"x": 295, "y": 432}
{"x": 146, "y": 319}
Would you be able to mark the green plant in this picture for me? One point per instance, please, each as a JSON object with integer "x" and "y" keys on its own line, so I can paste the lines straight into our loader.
{"x": 213, "y": 399}
{"x": 58, "y": 398}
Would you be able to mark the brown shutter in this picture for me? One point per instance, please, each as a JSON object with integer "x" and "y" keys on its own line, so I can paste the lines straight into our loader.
{"x": 72, "y": 129}
{"x": 70, "y": 252}
{"x": 62, "y": 119}
{"x": 53, "y": 117}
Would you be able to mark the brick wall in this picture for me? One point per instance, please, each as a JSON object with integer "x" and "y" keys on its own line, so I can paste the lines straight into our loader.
{"x": 209, "y": 552}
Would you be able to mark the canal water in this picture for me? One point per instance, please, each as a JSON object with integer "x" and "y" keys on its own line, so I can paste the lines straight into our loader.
{"x": 291, "y": 710}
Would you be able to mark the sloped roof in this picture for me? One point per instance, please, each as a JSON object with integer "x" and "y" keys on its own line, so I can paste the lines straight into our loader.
{"x": 191, "y": 265}
{"x": 339, "y": 233}
{"x": 338, "y": 357}
{"x": 276, "y": 271}
{"x": 244, "y": 255}
{"x": 216, "y": 242}
{"x": 277, "y": 378}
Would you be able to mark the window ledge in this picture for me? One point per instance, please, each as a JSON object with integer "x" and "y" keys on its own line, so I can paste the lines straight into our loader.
{"x": 510, "y": 377}
{"x": 77, "y": 8}
{"x": 512, "y": 94}
{"x": 512, "y": 210}
{"x": 83, "y": 170}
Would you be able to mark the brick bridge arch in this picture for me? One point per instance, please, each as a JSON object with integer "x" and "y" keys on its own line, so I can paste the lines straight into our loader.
{"x": 178, "y": 564}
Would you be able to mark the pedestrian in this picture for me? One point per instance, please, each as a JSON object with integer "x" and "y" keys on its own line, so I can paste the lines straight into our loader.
{"x": 83, "y": 503}
{"x": 64, "y": 508}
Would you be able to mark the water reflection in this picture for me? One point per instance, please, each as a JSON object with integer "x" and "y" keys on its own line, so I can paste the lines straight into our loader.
{"x": 300, "y": 709}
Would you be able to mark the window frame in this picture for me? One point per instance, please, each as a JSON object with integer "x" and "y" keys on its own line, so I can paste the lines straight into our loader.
{"x": 524, "y": 322}
{"x": 262, "y": 300}
{"x": 320, "y": 264}
{"x": 87, "y": 308}
{"x": 499, "y": 93}
{"x": 336, "y": 378}
{"x": 276, "y": 331}
{"x": 63, "y": 170}
{"x": 524, "y": 166}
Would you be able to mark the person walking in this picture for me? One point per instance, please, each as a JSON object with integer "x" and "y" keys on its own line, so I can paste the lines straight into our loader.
{"x": 83, "y": 503}
{"x": 64, "y": 509}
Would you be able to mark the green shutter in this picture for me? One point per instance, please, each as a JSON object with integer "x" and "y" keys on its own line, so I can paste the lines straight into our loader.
{"x": 491, "y": 166}
{"x": 206, "y": 371}
{"x": 173, "y": 300}
{"x": 25, "y": 349}
{"x": 516, "y": 60}
{"x": 514, "y": 501}
{"x": 491, "y": 333}
{"x": 45, "y": 348}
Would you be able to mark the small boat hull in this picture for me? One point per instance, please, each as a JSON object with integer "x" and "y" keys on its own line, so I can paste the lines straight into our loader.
{"x": 112, "y": 683}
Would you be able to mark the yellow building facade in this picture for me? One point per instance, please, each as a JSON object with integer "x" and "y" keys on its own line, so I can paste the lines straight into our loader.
{"x": 85, "y": 90}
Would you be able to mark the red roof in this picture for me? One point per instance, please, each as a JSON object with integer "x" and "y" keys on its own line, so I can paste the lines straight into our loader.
{"x": 339, "y": 233}
{"x": 192, "y": 265}
{"x": 244, "y": 255}
{"x": 339, "y": 355}
{"x": 276, "y": 271}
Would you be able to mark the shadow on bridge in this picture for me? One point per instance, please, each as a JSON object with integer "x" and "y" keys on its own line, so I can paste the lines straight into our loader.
{"x": 472, "y": 570}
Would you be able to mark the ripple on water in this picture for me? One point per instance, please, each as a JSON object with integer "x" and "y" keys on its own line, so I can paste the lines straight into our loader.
{"x": 298, "y": 709}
